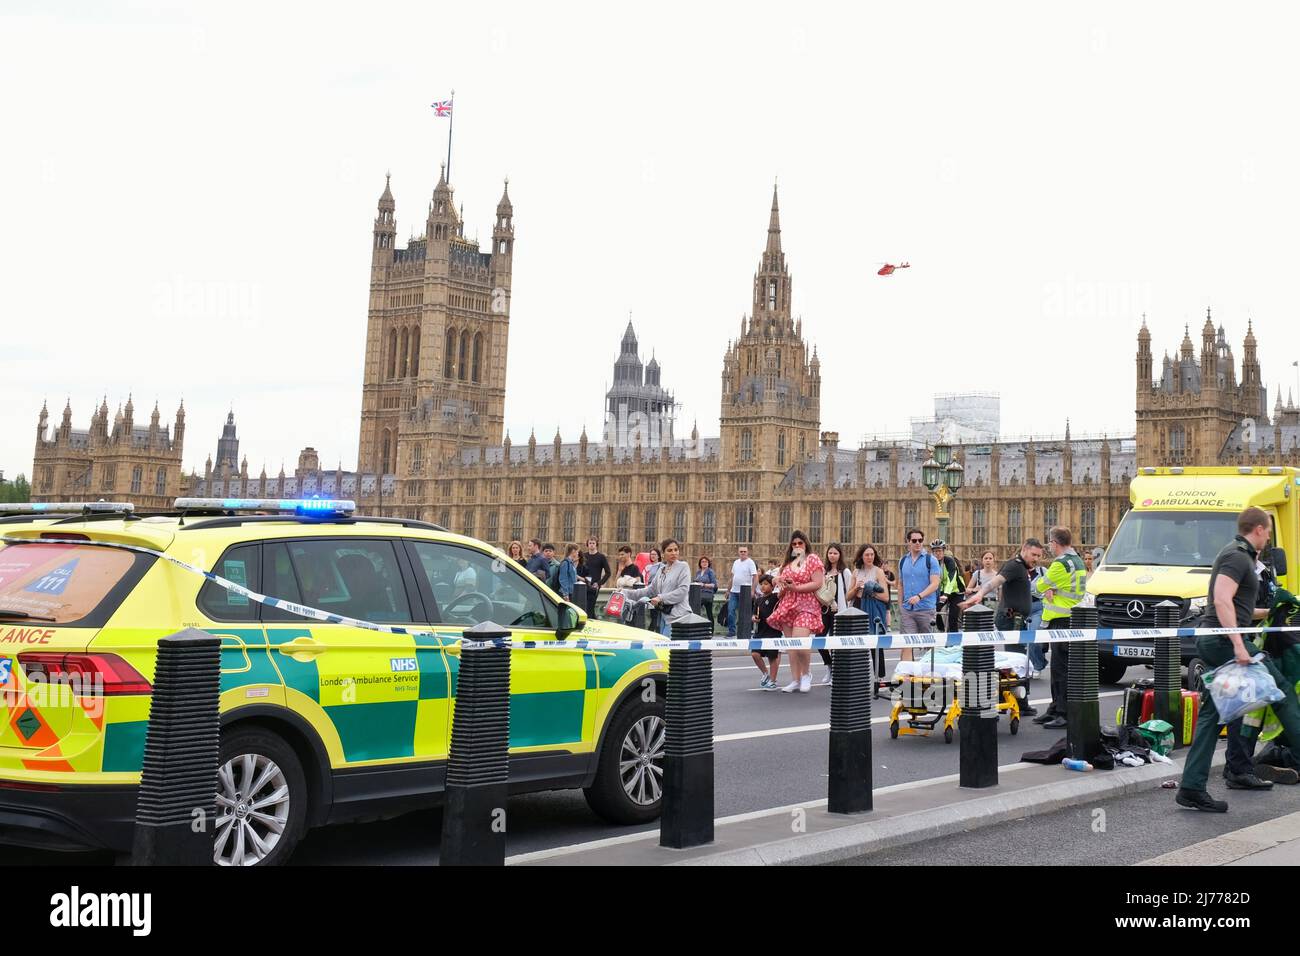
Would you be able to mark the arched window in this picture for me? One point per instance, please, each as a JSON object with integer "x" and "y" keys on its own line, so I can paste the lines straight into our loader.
{"x": 406, "y": 345}
{"x": 478, "y": 358}
{"x": 449, "y": 355}
{"x": 771, "y": 293}
{"x": 415, "y": 351}
{"x": 392, "y": 354}
{"x": 463, "y": 366}
{"x": 746, "y": 445}
{"x": 1177, "y": 444}
{"x": 385, "y": 459}
{"x": 160, "y": 482}
{"x": 780, "y": 448}
{"x": 137, "y": 475}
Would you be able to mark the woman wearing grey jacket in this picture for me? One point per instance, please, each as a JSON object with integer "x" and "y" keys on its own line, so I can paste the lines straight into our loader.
{"x": 670, "y": 591}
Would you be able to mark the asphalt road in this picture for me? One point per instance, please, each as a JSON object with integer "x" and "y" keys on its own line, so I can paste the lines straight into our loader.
{"x": 770, "y": 751}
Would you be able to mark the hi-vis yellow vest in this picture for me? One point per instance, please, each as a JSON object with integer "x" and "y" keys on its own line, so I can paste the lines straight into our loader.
{"x": 1065, "y": 579}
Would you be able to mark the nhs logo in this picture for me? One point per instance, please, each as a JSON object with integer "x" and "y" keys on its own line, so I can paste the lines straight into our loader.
{"x": 401, "y": 665}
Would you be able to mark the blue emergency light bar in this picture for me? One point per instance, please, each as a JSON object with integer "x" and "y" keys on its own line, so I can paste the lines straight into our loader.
{"x": 65, "y": 507}
{"x": 301, "y": 506}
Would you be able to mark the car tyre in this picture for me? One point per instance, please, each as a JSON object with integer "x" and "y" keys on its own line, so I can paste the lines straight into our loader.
{"x": 1111, "y": 670}
{"x": 261, "y": 827}
{"x": 628, "y": 788}
{"x": 1195, "y": 669}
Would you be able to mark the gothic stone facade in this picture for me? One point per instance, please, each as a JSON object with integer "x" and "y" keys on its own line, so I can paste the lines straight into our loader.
{"x": 1198, "y": 412}
{"x": 436, "y": 338}
{"x": 771, "y": 469}
{"x": 125, "y": 462}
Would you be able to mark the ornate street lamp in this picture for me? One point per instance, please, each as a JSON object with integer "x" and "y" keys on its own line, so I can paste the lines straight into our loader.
{"x": 931, "y": 474}
{"x": 953, "y": 476}
{"x": 943, "y": 476}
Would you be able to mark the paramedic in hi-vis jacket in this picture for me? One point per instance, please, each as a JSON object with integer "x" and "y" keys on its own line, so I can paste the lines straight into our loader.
{"x": 1061, "y": 588}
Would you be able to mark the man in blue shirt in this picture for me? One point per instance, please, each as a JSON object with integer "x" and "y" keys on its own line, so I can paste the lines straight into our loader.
{"x": 537, "y": 563}
{"x": 918, "y": 584}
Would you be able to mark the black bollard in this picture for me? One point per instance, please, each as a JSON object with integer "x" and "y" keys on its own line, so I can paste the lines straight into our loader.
{"x": 688, "y": 745}
{"x": 745, "y": 613}
{"x": 1082, "y": 707}
{"x": 697, "y": 598}
{"x": 176, "y": 806}
{"x": 478, "y": 767}
{"x": 849, "y": 789}
{"x": 580, "y": 595}
{"x": 978, "y": 724}
{"x": 1169, "y": 673}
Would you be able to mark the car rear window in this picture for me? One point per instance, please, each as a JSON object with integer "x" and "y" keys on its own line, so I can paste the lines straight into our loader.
{"x": 63, "y": 584}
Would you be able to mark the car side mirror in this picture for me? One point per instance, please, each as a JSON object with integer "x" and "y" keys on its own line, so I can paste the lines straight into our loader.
{"x": 1277, "y": 559}
{"x": 569, "y": 621}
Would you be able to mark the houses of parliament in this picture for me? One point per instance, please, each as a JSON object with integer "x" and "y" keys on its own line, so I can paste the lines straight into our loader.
{"x": 431, "y": 442}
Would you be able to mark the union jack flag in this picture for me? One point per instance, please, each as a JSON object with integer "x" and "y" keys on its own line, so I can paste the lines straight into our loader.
{"x": 442, "y": 108}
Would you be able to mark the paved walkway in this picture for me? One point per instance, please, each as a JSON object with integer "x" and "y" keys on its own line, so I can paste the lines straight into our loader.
{"x": 1272, "y": 843}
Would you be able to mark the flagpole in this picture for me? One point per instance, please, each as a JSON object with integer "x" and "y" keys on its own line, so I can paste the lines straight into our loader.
{"x": 451, "y": 119}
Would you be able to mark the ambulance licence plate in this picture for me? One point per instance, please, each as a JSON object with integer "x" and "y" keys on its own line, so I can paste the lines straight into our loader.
{"x": 1140, "y": 650}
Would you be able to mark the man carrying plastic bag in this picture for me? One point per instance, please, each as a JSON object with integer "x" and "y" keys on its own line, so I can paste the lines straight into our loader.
{"x": 1233, "y": 587}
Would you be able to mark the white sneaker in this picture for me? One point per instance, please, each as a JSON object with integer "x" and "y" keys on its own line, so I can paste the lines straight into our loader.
{"x": 827, "y": 679}
{"x": 791, "y": 687}
{"x": 805, "y": 684}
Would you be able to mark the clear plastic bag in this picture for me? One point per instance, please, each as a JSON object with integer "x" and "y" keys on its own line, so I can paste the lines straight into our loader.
{"x": 1238, "y": 690}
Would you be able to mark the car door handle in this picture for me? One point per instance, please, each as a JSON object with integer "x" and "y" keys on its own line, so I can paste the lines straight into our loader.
{"x": 304, "y": 649}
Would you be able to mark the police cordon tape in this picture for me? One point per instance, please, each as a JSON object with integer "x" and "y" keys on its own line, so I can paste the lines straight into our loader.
{"x": 863, "y": 642}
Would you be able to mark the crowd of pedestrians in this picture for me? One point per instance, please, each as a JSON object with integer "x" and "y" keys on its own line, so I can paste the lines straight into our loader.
{"x": 800, "y": 595}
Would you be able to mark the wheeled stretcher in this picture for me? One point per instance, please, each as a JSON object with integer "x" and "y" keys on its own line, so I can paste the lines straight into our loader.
{"x": 926, "y": 692}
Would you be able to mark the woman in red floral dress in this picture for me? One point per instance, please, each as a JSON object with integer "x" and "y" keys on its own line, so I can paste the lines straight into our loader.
{"x": 799, "y": 614}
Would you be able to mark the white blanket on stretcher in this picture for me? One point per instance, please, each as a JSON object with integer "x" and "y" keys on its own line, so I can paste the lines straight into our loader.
{"x": 948, "y": 664}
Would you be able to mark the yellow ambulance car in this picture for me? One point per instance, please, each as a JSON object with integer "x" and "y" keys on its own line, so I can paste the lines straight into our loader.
{"x": 321, "y": 722}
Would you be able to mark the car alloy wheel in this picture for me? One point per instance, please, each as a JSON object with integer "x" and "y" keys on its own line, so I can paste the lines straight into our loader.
{"x": 641, "y": 761}
{"x": 252, "y": 809}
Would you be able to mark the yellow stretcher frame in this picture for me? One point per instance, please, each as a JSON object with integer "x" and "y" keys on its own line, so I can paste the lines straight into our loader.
{"x": 1009, "y": 704}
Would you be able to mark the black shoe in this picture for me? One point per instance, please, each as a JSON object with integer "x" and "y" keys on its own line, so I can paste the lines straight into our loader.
{"x": 1027, "y": 711}
{"x": 1056, "y": 723}
{"x": 1247, "y": 781}
{"x": 1276, "y": 774}
{"x": 1044, "y": 718}
{"x": 1199, "y": 800}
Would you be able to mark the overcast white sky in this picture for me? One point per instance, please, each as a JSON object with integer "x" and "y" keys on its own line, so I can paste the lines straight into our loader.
{"x": 188, "y": 192}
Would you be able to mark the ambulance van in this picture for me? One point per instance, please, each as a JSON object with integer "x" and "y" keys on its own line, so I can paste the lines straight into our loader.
{"x": 1163, "y": 549}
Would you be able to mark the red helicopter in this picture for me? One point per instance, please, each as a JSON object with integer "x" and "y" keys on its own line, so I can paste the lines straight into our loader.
{"x": 888, "y": 268}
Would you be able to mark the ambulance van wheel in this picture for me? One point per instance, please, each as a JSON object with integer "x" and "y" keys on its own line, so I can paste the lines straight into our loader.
{"x": 1111, "y": 670}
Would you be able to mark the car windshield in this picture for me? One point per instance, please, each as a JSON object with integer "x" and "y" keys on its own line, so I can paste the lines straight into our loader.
{"x": 1183, "y": 539}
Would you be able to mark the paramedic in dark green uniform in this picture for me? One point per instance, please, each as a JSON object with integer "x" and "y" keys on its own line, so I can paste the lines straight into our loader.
{"x": 1233, "y": 585}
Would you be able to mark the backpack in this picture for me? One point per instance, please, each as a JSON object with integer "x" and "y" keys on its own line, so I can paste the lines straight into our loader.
{"x": 553, "y": 579}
